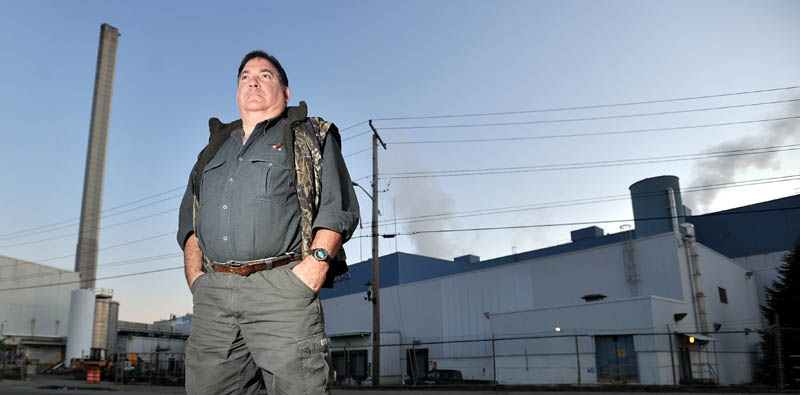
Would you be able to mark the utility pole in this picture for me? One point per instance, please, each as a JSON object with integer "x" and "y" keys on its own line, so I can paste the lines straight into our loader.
{"x": 779, "y": 344}
{"x": 376, "y": 279}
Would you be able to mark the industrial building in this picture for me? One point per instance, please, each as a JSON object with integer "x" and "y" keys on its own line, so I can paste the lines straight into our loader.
{"x": 33, "y": 314}
{"x": 671, "y": 301}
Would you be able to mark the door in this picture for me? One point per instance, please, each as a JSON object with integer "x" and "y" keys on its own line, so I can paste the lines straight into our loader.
{"x": 616, "y": 359}
{"x": 685, "y": 360}
{"x": 417, "y": 362}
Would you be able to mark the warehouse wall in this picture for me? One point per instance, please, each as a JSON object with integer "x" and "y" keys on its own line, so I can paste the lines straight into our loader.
{"x": 41, "y": 311}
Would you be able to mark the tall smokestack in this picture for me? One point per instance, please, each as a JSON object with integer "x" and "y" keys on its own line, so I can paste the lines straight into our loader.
{"x": 86, "y": 256}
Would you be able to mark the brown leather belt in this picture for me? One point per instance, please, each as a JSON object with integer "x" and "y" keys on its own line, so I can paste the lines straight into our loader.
{"x": 246, "y": 268}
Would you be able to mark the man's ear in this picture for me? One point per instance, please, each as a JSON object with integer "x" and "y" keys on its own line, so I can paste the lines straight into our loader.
{"x": 286, "y": 93}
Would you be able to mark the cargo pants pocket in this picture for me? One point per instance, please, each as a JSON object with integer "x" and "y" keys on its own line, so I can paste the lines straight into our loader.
{"x": 315, "y": 364}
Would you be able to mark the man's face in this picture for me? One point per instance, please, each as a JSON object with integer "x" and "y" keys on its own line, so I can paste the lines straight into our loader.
{"x": 260, "y": 89}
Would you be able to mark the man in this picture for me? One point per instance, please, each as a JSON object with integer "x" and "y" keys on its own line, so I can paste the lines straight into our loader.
{"x": 268, "y": 205}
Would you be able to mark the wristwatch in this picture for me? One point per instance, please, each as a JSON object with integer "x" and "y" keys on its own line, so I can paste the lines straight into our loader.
{"x": 321, "y": 255}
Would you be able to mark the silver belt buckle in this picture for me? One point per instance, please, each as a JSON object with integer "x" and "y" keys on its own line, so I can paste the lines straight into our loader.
{"x": 234, "y": 264}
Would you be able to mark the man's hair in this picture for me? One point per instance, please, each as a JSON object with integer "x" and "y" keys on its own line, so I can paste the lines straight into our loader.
{"x": 269, "y": 58}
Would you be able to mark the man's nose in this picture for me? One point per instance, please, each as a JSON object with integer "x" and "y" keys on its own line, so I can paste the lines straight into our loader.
{"x": 253, "y": 83}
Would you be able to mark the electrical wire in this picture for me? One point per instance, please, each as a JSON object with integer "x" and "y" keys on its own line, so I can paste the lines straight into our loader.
{"x": 102, "y": 227}
{"x": 579, "y": 223}
{"x": 587, "y": 107}
{"x": 585, "y": 165}
{"x": 597, "y": 118}
{"x": 93, "y": 215}
{"x": 105, "y": 216}
{"x": 591, "y": 134}
{"x": 420, "y": 232}
{"x": 576, "y": 202}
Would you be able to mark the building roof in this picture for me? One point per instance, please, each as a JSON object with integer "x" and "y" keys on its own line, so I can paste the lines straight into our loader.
{"x": 755, "y": 229}
{"x": 749, "y": 230}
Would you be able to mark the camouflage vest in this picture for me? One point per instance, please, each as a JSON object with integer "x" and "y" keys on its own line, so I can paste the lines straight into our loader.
{"x": 304, "y": 140}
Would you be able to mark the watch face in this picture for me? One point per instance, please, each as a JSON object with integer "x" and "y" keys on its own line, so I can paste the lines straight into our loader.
{"x": 320, "y": 254}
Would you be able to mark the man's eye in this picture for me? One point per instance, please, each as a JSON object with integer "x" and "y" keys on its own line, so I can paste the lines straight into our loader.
{"x": 243, "y": 77}
{"x": 267, "y": 76}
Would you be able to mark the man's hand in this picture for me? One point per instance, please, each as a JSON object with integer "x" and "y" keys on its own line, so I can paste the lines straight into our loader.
{"x": 312, "y": 271}
{"x": 192, "y": 260}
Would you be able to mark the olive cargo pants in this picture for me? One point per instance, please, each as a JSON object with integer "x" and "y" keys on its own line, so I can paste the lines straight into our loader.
{"x": 267, "y": 326}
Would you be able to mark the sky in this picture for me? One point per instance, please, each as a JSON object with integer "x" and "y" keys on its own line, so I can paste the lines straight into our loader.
{"x": 352, "y": 61}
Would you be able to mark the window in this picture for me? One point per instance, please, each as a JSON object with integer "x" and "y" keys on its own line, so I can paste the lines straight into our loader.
{"x": 723, "y": 295}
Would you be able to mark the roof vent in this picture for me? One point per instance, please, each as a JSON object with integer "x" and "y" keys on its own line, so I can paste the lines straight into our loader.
{"x": 593, "y": 297}
{"x": 467, "y": 259}
{"x": 586, "y": 233}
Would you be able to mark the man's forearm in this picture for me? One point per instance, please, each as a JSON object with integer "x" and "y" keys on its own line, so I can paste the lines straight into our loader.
{"x": 327, "y": 239}
{"x": 311, "y": 271}
{"x": 192, "y": 260}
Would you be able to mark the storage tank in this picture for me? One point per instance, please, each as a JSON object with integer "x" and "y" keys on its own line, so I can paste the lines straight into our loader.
{"x": 81, "y": 320}
{"x": 652, "y": 205}
{"x": 113, "y": 326}
{"x": 101, "y": 309}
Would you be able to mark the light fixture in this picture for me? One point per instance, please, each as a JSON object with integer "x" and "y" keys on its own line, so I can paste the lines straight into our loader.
{"x": 558, "y": 329}
{"x": 369, "y": 297}
{"x": 691, "y": 339}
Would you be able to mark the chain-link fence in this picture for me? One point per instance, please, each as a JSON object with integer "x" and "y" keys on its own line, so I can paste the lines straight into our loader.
{"x": 567, "y": 357}
{"x": 574, "y": 358}
{"x": 161, "y": 368}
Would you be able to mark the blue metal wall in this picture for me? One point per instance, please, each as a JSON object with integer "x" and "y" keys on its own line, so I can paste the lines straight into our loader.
{"x": 759, "y": 228}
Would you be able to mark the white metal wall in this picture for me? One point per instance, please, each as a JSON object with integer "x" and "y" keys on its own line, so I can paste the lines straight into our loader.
{"x": 741, "y": 311}
{"x": 40, "y": 311}
{"x": 453, "y": 308}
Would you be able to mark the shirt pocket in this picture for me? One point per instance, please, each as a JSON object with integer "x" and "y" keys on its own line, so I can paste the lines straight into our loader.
{"x": 213, "y": 177}
{"x": 277, "y": 178}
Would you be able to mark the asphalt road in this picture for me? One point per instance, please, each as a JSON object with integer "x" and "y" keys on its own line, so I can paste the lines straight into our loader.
{"x": 66, "y": 386}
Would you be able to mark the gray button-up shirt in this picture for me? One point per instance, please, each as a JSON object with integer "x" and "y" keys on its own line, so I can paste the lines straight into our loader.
{"x": 248, "y": 201}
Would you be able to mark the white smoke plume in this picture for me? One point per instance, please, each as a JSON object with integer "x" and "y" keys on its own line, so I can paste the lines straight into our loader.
{"x": 423, "y": 196}
{"x": 724, "y": 170}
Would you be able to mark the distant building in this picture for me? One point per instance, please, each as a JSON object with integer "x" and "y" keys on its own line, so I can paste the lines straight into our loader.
{"x": 34, "y": 311}
{"x": 672, "y": 301}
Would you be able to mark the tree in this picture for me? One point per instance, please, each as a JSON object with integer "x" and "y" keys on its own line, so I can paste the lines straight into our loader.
{"x": 783, "y": 299}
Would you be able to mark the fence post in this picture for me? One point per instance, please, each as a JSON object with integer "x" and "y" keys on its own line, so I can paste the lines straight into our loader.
{"x": 494, "y": 362}
{"x": 779, "y": 345}
{"x": 671, "y": 355}
{"x": 578, "y": 359}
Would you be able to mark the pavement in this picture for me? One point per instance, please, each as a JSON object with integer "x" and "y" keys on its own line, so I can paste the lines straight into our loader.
{"x": 44, "y": 384}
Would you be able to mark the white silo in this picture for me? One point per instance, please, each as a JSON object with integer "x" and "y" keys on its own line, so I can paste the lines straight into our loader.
{"x": 81, "y": 323}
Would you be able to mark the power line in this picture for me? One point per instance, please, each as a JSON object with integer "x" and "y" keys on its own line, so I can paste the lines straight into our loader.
{"x": 103, "y": 216}
{"x": 352, "y": 126}
{"x": 575, "y": 202}
{"x": 111, "y": 247}
{"x": 92, "y": 215}
{"x": 97, "y": 279}
{"x": 357, "y": 152}
{"x": 102, "y": 227}
{"x": 588, "y": 106}
{"x": 542, "y": 121}
{"x": 579, "y": 223}
{"x": 584, "y": 165}
{"x": 357, "y": 135}
{"x": 103, "y": 265}
{"x": 420, "y": 232}
{"x": 589, "y": 134}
